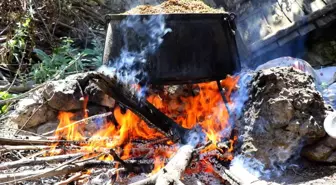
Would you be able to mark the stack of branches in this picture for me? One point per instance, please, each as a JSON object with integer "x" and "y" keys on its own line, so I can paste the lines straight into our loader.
{"x": 32, "y": 159}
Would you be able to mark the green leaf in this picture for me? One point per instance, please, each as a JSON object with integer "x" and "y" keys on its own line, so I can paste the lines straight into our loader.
{"x": 4, "y": 109}
{"x": 42, "y": 55}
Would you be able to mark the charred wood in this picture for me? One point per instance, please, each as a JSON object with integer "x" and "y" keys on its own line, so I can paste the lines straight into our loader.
{"x": 140, "y": 106}
{"x": 225, "y": 173}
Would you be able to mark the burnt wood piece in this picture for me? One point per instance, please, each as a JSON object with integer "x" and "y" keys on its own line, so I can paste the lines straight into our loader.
{"x": 140, "y": 106}
{"x": 172, "y": 172}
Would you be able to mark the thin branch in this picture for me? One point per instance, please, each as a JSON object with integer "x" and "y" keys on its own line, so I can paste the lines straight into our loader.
{"x": 4, "y": 148}
{"x": 75, "y": 177}
{"x": 45, "y": 25}
{"x": 80, "y": 121}
{"x": 63, "y": 169}
{"x": 37, "y": 161}
{"x": 30, "y": 141}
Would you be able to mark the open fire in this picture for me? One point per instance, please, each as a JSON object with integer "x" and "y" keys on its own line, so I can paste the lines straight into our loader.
{"x": 131, "y": 138}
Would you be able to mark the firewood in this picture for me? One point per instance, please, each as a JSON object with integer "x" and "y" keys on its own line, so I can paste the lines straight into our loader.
{"x": 140, "y": 106}
{"x": 4, "y": 148}
{"x": 85, "y": 120}
{"x": 225, "y": 173}
{"x": 68, "y": 168}
{"x": 71, "y": 179}
{"x": 28, "y": 140}
{"x": 37, "y": 161}
{"x": 172, "y": 172}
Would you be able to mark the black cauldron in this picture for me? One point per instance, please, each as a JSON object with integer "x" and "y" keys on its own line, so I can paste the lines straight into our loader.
{"x": 200, "y": 47}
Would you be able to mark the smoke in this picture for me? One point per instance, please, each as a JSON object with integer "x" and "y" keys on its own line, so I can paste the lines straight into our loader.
{"x": 141, "y": 38}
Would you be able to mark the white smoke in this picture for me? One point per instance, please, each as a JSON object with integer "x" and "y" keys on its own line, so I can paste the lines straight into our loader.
{"x": 141, "y": 37}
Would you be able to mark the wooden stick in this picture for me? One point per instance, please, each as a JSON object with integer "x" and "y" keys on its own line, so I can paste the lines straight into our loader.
{"x": 50, "y": 172}
{"x": 225, "y": 173}
{"x": 71, "y": 179}
{"x": 140, "y": 106}
{"x": 79, "y": 121}
{"x": 31, "y": 141}
{"x": 172, "y": 172}
{"x": 37, "y": 161}
{"x": 4, "y": 148}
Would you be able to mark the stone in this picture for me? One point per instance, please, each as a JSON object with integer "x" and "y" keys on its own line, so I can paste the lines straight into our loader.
{"x": 31, "y": 111}
{"x": 97, "y": 96}
{"x": 47, "y": 127}
{"x": 64, "y": 95}
{"x": 322, "y": 151}
{"x": 283, "y": 112}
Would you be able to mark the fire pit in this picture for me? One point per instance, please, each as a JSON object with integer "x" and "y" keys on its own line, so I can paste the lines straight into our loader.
{"x": 182, "y": 133}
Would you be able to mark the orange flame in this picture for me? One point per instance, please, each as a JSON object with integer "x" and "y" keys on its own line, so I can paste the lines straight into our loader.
{"x": 205, "y": 109}
{"x": 71, "y": 132}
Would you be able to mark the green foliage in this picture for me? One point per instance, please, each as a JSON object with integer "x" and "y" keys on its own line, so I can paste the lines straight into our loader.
{"x": 17, "y": 45}
{"x": 66, "y": 59}
{"x": 5, "y": 96}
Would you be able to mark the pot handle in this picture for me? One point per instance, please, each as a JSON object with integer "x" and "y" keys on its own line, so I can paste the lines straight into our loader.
{"x": 231, "y": 20}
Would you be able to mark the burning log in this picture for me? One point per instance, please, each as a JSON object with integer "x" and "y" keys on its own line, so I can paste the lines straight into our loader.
{"x": 140, "y": 106}
{"x": 172, "y": 172}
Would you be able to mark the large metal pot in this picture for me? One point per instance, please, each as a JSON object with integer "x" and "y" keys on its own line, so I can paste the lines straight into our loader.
{"x": 201, "y": 47}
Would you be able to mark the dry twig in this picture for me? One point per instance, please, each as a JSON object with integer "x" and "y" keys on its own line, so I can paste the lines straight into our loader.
{"x": 63, "y": 169}
{"x": 37, "y": 161}
{"x": 79, "y": 121}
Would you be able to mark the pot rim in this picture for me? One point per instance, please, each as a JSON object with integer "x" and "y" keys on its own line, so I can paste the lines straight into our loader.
{"x": 175, "y": 16}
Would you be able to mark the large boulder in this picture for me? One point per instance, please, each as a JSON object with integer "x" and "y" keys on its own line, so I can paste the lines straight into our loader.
{"x": 284, "y": 112}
